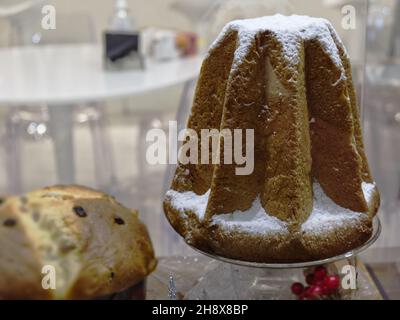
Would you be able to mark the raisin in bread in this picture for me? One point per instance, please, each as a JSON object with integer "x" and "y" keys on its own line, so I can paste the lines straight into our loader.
{"x": 95, "y": 245}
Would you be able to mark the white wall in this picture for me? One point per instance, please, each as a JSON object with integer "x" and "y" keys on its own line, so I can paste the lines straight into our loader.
{"x": 146, "y": 13}
{"x": 159, "y": 13}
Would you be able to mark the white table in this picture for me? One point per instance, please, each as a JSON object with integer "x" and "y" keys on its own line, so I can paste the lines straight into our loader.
{"x": 61, "y": 76}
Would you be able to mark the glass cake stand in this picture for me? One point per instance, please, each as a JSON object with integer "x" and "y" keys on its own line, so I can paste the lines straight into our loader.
{"x": 236, "y": 279}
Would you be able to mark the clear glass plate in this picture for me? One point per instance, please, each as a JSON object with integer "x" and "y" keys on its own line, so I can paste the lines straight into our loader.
{"x": 376, "y": 225}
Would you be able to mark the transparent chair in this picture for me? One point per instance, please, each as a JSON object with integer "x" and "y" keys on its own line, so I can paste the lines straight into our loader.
{"x": 381, "y": 99}
{"x": 34, "y": 122}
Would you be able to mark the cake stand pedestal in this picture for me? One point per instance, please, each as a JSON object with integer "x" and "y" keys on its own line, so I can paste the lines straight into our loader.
{"x": 229, "y": 279}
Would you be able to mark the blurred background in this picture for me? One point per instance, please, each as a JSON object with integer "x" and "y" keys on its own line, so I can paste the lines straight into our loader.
{"x": 70, "y": 112}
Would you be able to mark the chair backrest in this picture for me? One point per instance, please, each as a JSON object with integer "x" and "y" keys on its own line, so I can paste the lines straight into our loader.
{"x": 394, "y": 49}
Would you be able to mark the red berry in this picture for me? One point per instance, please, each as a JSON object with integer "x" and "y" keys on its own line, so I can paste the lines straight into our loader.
{"x": 307, "y": 291}
{"x": 303, "y": 296}
{"x": 319, "y": 282}
{"x": 326, "y": 291}
{"x": 332, "y": 282}
{"x": 315, "y": 292}
{"x": 310, "y": 279}
{"x": 297, "y": 288}
{"x": 320, "y": 273}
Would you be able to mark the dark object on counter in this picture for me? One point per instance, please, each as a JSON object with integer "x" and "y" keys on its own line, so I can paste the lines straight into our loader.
{"x": 122, "y": 50}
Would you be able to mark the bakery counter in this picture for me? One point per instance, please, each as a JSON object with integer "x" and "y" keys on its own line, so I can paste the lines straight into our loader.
{"x": 383, "y": 265}
{"x": 199, "y": 277}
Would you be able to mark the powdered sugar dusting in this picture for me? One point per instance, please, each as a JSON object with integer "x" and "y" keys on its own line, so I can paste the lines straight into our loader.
{"x": 254, "y": 220}
{"x": 189, "y": 200}
{"x": 290, "y": 31}
{"x": 325, "y": 216}
{"x": 368, "y": 190}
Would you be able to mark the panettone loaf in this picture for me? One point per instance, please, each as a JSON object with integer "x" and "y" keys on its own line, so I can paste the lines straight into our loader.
{"x": 95, "y": 245}
{"x": 311, "y": 195}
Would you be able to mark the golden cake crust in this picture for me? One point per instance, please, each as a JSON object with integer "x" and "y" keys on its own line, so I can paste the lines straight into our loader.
{"x": 97, "y": 246}
{"x": 273, "y": 248}
{"x": 289, "y": 79}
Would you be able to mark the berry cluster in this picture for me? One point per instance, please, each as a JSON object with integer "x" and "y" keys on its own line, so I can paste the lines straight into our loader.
{"x": 320, "y": 285}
